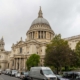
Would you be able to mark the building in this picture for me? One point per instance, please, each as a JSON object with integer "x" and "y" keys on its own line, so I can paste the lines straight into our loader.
{"x": 3, "y": 55}
{"x": 39, "y": 34}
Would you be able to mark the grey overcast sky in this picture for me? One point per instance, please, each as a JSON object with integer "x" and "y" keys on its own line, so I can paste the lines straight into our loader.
{"x": 16, "y": 17}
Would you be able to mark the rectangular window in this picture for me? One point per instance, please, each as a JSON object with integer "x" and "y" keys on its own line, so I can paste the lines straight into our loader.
{"x": 20, "y": 50}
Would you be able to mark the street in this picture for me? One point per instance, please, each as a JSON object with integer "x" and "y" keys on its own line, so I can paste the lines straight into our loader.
{"x": 6, "y": 77}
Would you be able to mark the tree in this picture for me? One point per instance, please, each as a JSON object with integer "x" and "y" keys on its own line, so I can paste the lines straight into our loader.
{"x": 77, "y": 51}
{"x": 33, "y": 61}
{"x": 58, "y": 53}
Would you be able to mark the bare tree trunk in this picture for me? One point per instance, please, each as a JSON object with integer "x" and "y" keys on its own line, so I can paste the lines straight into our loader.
{"x": 57, "y": 70}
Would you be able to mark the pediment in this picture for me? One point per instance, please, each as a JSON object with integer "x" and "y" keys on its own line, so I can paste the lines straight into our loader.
{"x": 20, "y": 43}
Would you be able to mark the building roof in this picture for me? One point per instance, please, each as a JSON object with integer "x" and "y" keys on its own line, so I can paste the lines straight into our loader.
{"x": 40, "y": 19}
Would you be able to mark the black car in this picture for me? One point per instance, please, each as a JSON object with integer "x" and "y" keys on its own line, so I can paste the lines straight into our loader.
{"x": 72, "y": 75}
{"x": 58, "y": 77}
{"x": 26, "y": 76}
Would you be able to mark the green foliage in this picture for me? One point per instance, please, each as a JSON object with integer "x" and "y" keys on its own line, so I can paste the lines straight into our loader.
{"x": 33, "y": 61}
{"x": 77, "y": 51}
{"x": 58, "y": 53}
{"x": 68, "y": 68}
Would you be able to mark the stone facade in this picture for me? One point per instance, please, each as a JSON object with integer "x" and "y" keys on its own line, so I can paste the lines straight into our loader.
{"x": 72, "y": 41}
{"x": 3, "y": 55}
{"x": 39, "y": 34}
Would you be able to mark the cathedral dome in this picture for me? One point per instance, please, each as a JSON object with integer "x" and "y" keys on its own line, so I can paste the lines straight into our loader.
{"x": 40, "y": 20}
{"x": 40, "y": 29}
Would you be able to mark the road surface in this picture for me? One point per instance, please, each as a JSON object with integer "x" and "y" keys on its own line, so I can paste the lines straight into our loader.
{"x": 6, "y": 77}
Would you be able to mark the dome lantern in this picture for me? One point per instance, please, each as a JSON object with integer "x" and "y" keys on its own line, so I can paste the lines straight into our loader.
{"x": 40, "y": 19}
{"x": 40, "y": 14}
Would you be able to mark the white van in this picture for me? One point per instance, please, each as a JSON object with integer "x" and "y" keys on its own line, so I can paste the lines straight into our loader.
{"x": 41, "y": 73}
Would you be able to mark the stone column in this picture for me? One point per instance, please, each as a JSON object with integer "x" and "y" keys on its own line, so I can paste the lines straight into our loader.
{"x": 22, "y": 63}
{"x": 25, "y": 63}
{"x": 40, "y": 34}
{"x": 33, "y": 35}
{"x": 45, "y": 34}
{"x": 37, "y": 34}
{"x": 14, "y": 63}
{"x": 50, "y": 35}
{"x": 19, "y": 64}
{"x": 29, "y": 35}
{"x": 10, "y": 64}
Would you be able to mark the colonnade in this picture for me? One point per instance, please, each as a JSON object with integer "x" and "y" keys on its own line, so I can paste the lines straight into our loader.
{"x": 38, "y": 34}
{"x": 19, "y": 64}
{"x": 42, "y": 34}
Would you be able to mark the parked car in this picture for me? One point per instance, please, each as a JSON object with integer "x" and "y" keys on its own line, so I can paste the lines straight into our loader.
{"x": 58, "y": 77}
{"x": 23, "y": 74}
{"x": 7, "y": 71}
{"x": 42, "y": 73}
{"x": 13, "y": 72}
{"x": 18, "y": 74}
{"x": 72, "y": 75}
{"x": 4, "y": 72}
{"x": 26, "y": 76}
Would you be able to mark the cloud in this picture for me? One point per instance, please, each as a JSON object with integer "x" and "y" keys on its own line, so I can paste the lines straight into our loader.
{"x": 16, "y": 17}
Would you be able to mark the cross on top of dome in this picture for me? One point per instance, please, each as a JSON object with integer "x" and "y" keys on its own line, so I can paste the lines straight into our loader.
{"x": 40, "y": 14}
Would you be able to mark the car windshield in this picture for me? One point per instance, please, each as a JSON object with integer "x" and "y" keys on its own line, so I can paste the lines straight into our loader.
{"x": 59, "y": 76}
{"x": 25, "y": 73}
{"x": 14, "y": 70}
{"x": 47, "y": 72}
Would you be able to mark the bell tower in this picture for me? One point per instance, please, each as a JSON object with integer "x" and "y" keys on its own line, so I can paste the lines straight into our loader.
{"x": 2, "y": 44}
